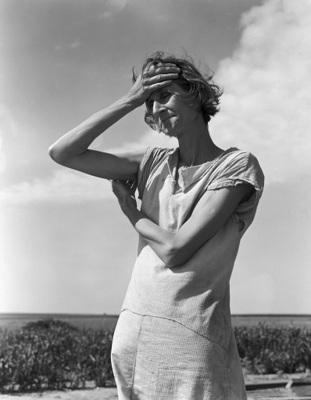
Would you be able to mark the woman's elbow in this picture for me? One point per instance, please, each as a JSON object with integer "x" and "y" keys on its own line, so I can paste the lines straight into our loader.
{"x": 175, "y": 257}
{"x": 56, "y": 154}
{"x": 52, "y": 152}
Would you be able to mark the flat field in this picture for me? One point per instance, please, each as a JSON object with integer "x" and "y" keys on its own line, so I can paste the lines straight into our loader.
{"x": 107, "y": 321}
{"x": 273, "y": 320}
{"x": 82, "y": 321}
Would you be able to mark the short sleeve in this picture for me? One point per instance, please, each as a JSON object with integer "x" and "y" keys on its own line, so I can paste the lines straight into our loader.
{"x": 152, "y": 158}
{"x": 239, "y": 167}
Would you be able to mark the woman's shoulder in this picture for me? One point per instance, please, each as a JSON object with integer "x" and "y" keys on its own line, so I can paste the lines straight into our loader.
{"x": 153, "y": 162}
{"x": 156, "y": 155}
{"x": 235, "y": 152}
{"x": 244, "y": 158}
{"x": 160, "y": 152}
{"x": 236, "y": 166}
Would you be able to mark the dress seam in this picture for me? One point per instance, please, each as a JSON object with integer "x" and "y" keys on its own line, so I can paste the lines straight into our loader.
{"x": 135, "y": 358}
{"x": 228, "y": 385}
{"x": 178, "y": 322}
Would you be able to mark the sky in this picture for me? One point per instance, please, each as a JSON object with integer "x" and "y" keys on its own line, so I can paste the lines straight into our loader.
{"x": 65, "y": 247}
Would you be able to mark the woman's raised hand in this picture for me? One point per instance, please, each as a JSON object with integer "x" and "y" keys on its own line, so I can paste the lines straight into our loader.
{"x": 152, "y": 78}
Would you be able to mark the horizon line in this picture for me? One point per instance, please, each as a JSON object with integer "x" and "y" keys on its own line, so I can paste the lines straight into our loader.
{"x": 65, "y": 314}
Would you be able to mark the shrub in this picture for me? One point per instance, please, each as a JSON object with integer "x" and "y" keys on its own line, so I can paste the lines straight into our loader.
{"x": 51, "y": 354}
{"x": 54, "y": 355}
{"x": 267, "y": 350}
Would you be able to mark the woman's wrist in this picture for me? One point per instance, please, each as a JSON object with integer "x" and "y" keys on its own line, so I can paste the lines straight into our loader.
{"x": 130, "y": 210}
{"x": 131, "y": 101}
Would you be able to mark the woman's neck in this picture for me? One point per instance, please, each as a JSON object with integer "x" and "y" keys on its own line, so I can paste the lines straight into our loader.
{"x": 197, "y": 147}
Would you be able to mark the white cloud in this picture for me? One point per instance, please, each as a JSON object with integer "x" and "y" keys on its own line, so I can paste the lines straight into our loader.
{"x": 265, "y": 107}
{"x": 71, "y": 46}
{"x": 64, "y": 186}
{"x": 67, "y": 185}
{"x": 149, "y": 139}
{"x": 75, "y": 45}
{"x": 8, "y": 128}
{"x": 112, "y": 7}
{"x": 7, "y": 123}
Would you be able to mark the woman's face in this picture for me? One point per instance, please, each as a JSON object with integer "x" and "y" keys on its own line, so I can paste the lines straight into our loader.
{"x": 170, "y": 108}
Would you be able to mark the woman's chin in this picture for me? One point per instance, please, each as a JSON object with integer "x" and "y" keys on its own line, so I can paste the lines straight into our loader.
{"x": 169, "y": 133}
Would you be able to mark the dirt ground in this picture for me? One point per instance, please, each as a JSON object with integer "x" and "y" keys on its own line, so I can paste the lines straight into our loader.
{"x": 111, "y": 393}
{"x": 91, "y": 394}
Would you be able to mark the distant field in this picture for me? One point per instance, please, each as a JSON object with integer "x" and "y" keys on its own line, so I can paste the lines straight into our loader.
{"x": 275, "y": 320}
{"x": 107, "y": 322}
{"x": 16, "y": 321}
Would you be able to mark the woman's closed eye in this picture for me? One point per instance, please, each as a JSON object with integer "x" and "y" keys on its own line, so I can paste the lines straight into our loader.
{"x": 165, "y": 95}
{"x": 161, "y": 98}
{"x": 150, "y": 104}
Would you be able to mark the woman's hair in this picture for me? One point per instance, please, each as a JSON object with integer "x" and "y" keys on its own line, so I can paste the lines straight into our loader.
{"x": 203, "y": 92}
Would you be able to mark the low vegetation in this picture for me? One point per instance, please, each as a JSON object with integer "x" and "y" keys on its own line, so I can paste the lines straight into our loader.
{"x": 269, "y": 350}
{"x": 51, "y": 354}
{"x": 54, "y": 355}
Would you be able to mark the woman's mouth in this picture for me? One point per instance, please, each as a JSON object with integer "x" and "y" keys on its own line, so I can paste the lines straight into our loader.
{"x": 165, "y": 119}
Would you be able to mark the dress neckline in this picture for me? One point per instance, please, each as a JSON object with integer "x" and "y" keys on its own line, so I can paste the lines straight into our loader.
{"x": 206, "y": 163}
{"x": 184, "y": 176}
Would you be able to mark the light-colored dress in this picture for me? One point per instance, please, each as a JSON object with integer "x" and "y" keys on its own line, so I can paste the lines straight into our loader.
{"x": 174, "y": 339}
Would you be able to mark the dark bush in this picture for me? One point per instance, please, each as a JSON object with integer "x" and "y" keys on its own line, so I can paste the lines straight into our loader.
{"x": 52, "y": 354}
{"x": 49, "y": 324}
{"x": 268, "y": 350}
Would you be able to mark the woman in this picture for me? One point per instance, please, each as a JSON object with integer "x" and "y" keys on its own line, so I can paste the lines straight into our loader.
{"x": 174, "y": 338}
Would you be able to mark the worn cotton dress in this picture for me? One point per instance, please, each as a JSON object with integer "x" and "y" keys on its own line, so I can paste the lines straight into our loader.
{"x": 174, "y": 339}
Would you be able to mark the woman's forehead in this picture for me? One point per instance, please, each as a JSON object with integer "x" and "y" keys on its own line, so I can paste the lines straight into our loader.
{"x": 173, "y": 88}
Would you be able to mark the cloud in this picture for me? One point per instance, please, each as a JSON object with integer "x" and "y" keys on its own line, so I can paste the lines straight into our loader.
{"x": 149, "y": 139}
{"x": 267, "y": 91}
{"x": 64, "y": 186}
{"x": 8, "y": 128}
{"x": 68, "y": 46}
{"x": 75, "y": 45}
{"x": 113, "y": 7}
{"x": 265, "y": 106}
{"x": 8, "y": 124}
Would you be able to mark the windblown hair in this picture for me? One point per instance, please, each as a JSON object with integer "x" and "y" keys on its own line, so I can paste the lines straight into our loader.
{"x": 203, "y": 92}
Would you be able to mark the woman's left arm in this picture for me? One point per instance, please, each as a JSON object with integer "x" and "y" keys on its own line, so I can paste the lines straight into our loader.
{"x": 174, "y": 248}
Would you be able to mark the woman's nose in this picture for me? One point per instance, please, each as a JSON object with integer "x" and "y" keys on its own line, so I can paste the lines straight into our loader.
{"x": 156, "y": 108}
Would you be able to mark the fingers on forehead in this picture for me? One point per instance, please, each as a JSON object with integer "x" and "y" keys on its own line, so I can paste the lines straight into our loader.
{"x": 159, "y": 65}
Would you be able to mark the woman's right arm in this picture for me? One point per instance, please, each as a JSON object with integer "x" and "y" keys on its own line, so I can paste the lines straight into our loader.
{"x": 72, "y": 149}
